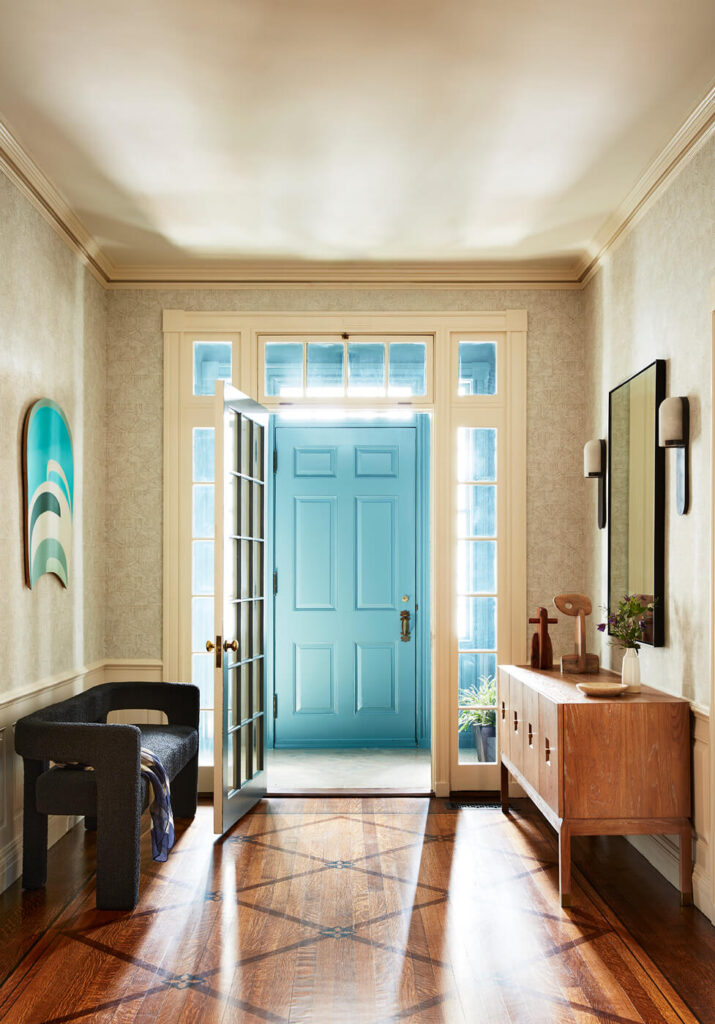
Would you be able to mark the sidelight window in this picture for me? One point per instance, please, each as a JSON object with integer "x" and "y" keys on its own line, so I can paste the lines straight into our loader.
{"x": 477, "y": 592}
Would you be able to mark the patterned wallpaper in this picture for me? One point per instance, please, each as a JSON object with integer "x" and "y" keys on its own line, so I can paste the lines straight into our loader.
{"x": 652, "y": 299}
{"x": 53, "y": 317}
{"x": 134, "y": 398}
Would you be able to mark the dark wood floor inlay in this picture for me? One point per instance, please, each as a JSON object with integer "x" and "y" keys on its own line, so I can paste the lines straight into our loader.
{"x": 363, "y": 911}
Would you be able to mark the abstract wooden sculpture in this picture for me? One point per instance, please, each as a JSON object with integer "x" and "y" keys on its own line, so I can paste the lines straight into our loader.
{"x": 580, "y": 606}
{"x": 542, "y": 654}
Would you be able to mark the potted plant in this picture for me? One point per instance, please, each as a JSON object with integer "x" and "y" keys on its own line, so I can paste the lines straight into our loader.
{"x": 477, "y": 710}
{"x": 627, "y": 627}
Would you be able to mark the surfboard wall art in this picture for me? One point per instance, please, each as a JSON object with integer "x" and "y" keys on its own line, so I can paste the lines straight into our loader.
{"x": 49, "y": 492}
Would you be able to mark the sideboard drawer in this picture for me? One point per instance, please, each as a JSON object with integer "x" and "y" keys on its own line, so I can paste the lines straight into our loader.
{"x": 550, "y": 754}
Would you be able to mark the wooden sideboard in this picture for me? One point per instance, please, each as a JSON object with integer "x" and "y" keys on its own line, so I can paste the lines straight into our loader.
{"x": 594, "y": 765}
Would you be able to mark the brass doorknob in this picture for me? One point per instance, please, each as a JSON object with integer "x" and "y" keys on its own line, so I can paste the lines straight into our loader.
{"x": 230, "y": 646}
{"x": 210, "y": 646}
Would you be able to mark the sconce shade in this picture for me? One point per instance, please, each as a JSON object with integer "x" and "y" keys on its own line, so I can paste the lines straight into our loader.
{"x": 671, "y": 423}
{"x": 594, "y": 458}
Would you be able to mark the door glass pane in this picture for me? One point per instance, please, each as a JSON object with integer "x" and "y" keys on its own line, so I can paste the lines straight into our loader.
{"x": 477, "y": 453}
{"x": 203, "y": 511}
{"x": 258, "y": 470}
{"x": 212, "y": 362}
{"x": 203, "y": 454}
{"x": 477, "y": 567}
{"x": 476, "y": 511}
{"x": 245, "y": 692}
{"x": 284, "y": 369}
{"x": 325, "y": 370}
{"x": 477, "y": 623}
{"x": 477, "y": 368}
{"x": 407, "y": 368}
{"x": 366, "y": 369}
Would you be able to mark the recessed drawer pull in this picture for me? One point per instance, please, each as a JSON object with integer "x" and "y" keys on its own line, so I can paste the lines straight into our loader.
{"x": 547, "y": 750}
{"x": 531, "y": 735}
{"x": 503, "y": 710}
{"x": 516, "y": 721}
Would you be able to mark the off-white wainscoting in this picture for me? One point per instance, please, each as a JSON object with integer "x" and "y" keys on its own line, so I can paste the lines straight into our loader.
{"x": 24, "y": 702}
{"x": 662, "y": 851}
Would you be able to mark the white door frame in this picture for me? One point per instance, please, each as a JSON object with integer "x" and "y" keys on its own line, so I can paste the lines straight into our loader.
{"x": 448, "y": 409}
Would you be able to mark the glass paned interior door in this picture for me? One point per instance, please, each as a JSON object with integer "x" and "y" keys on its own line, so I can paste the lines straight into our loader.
{"x": 202, "y": 581}
{"x": 477, "y": 593}
{"x": 243, "y": 654}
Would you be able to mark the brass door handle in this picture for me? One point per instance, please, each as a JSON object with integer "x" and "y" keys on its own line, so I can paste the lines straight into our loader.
{"x": 405, "y": 626}
{"x": 230, "y": 646}
{"x": 210, "y": 645}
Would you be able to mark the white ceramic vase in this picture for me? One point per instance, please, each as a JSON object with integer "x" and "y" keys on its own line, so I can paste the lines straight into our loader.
{"x": 631, "y": 670}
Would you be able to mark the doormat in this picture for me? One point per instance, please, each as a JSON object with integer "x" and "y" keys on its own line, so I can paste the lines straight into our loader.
{"x": 462, "y": 805}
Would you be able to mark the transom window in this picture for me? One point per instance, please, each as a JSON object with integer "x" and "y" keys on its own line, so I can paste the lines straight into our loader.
{"x": 349, "y": 366}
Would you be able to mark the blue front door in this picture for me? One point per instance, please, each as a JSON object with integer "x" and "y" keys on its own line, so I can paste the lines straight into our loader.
{"x": 345, "y": 563}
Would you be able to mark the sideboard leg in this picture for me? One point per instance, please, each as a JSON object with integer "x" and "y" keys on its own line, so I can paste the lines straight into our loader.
{"x": 504, "y": 788}
{"x": 686, "y": 866}
{"x": 565, "y": 865}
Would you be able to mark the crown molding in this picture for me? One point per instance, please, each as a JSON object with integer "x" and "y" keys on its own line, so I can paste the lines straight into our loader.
{"x": 574, "y": 272}
{"x": 21, "y": 169}
{"x": 672, "y": 158}
{"x": 388, "y": 274}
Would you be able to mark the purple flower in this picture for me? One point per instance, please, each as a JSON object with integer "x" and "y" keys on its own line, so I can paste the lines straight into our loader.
{"x": 601, "y": 627}
{"x": 642, "y": 624}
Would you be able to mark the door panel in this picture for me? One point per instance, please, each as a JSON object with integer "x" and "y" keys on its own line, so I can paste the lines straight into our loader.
{"x": 550, "y": 771}
{"x": 346, "y": 569}
{"x": 516, "y": 724}
{"x": 238, "y": 642}
{"x": 531, "y": 736}
{"x": 504, "y": 714}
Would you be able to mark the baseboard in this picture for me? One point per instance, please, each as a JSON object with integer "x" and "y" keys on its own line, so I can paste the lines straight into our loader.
{"x": 662, "y": 852}
{"x": 23, "y": 702}
{"x": 703, "y": 893}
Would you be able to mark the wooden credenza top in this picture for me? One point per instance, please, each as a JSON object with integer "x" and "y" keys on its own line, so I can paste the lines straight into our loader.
{"x": 561, "y": 688}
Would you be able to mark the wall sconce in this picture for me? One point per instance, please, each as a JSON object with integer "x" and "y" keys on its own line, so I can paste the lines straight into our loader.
{"x": 674, "y": 432}
{"x": 594, "y": 467}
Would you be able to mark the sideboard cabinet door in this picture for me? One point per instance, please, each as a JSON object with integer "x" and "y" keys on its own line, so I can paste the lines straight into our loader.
{"x": 503, "y": 714}
{"x": 550, "y": 754}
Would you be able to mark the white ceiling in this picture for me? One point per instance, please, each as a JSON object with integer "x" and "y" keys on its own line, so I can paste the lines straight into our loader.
{"x": 187, "y": 132}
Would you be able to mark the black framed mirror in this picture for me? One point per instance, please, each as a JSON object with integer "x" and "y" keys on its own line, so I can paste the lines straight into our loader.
{"x": 636, "y": 495}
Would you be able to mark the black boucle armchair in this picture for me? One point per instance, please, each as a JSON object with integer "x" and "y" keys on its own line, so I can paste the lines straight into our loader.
{"x": 112, "y": 796}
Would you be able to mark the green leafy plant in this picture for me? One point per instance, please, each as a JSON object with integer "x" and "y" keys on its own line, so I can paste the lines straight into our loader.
{"x": 629, "y": 622}
{"x": 471, "y": 701}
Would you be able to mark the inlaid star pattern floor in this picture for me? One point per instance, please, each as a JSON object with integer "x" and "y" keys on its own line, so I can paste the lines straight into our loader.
{"x": 345, "y": 910}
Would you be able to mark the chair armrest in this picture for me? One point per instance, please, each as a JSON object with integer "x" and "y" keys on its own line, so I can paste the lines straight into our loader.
{"x": 179, "y": 701}
{"x": 104, "y": 747}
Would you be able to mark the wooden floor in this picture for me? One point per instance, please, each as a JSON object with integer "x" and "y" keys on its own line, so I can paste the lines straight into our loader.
{"x": 356, "y": 910}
